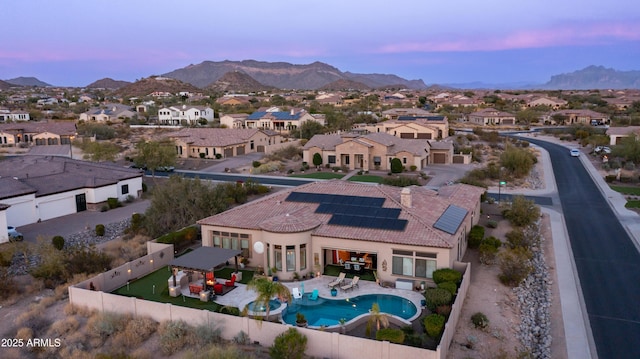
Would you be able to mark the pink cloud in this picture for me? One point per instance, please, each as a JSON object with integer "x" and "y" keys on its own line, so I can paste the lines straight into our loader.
{"x": 571, "y": 34}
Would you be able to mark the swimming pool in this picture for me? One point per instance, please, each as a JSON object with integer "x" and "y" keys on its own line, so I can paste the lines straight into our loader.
{"x": 328, "y": 312}
{"x": 273, "y": 304}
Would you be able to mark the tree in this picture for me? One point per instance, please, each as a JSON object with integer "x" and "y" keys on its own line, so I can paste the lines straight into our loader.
{"x": 396, "y": 165}
{"x": 309, "y": 129}
{"x": 99, "y": 151}
{"x": 376, "y": 318}
{"x": 522, "y": 212}
{"x": 267, "y": 290}
{"x": 317, "y": 159}
{"x": 628, "y": 148}
{"x": 154, "y": 154}
{"x": 518, "y": 161}
{"x": 527, "y": 116}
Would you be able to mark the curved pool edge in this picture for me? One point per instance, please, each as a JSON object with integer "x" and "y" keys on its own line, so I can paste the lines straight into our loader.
{"x": 278, "y": 311}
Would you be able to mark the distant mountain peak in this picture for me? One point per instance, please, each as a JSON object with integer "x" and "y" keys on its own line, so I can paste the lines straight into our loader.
{"x": 595, "y": 77}
{"x": 108, "y": 83}
{"x": 28, "y": 81}
{"x": 237, "y": 81}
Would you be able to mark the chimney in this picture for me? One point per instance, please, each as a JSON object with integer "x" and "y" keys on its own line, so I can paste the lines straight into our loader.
{"x": 292, "y": 112}
{"x": 405, "y": 197}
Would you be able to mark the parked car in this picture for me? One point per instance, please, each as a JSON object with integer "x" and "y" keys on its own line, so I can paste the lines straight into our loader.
{"x": 602, "y": 150}
{"x": 14, "y": 235}
{"x": 575, "y": 152}
{"x": 165, "y": 169}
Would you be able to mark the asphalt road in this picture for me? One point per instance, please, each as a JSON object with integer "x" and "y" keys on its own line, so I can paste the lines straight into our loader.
{"x": 607, "y": 262}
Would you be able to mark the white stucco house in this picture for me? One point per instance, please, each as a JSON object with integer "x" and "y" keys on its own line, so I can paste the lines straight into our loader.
{"x": 38, "y": 188}
{"x": 188, "y": 115}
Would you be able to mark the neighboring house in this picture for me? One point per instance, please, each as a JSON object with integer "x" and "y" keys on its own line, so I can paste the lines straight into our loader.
{"x": 419, "y": 127}
{"x": 234, "y": 120}
{"x": 375, "y": 151}
{"x": 616, "y": 134}
{"x": 281, "y": 121}
{"x": 233, "y": 101}
{"x": 553, "y": 103}
{"x": 184, "y": 115}
{"x": 38, "y": 133}
{"x": 108, "y": 113}
{"x": 404, "y": 234}
{"x": 395, "y": 113}
{"x": 491, "y": 116}
{"x": 38, "y": 188}
{"x": 8, "y": 116}
{"x": 584, "y": 117}
{"x": 225, "y": 142}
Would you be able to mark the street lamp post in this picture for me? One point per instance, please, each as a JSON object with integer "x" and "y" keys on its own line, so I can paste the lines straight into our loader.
{"x": 500, "y": 184}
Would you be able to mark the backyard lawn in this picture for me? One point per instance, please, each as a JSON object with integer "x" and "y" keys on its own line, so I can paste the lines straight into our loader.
{"x": 366, "y": 178}
{"x": 320, "y": 175}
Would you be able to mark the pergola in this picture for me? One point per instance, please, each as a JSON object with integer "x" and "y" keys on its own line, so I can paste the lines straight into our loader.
{"x": 203, "y": 259}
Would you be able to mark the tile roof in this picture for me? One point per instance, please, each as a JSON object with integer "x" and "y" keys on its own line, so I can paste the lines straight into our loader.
{"x": 58, "y": 128}
{"x": 46, "y": 175}
{"x": 274, "y": 213}
{"x": 214, "y": 137}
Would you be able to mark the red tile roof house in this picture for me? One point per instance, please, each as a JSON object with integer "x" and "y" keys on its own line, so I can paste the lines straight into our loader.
{"x": 43, "y": 187}
{"x": 616, "y": 134}
{"x": 491, "y": 116}
{"x": 226, "y": 142}
{"x": 404, "y": 233}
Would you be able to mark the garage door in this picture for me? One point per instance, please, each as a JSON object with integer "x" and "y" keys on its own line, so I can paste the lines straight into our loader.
{"x": 424, "y": 136}
{"x": 240, "y": 150}
{"x": 406, "y": 135}
{"x": 507, "y": 122}
{"x": 21, "y": 213}
{"x": 57, "y": 208}
{"x": 458, "y": 159}
{"x": 439, "y": 158}
{"x": 228, "y": 152}
{"x": 261, "y": 149}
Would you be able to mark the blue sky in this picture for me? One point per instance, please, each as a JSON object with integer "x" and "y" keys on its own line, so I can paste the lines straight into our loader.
{"x": 73, "y": 43}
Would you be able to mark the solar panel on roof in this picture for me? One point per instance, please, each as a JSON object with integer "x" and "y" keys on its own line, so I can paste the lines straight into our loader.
{"x": 365, "y": 211}
{"x": 368, "y": 222}
{"x": 334, "y": 198}
{"x": 451, "y": 219}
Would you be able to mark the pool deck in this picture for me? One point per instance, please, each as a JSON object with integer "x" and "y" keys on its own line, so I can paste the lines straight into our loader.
{"x": 241, "y": 296}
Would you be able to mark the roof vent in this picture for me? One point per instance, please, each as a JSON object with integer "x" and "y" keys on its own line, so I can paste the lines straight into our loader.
{"x": 405, "y": 197}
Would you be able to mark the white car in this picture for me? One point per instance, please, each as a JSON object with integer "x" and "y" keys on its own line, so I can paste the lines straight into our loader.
{"x": 14, "y": 235}
{"x": 575, "y": 152}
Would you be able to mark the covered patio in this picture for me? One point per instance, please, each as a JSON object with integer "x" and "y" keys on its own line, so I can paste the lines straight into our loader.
{"x": 192, "y": 274}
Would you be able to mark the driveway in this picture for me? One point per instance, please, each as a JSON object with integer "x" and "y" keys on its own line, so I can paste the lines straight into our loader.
{"x": 235, "y": 162}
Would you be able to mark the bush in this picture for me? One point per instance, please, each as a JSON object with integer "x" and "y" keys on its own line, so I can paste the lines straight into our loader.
{"x": 99, "y": 230}
{"x": 218, "y": 156}
{"x": 518, "y": 161}
{"x": 104, "y": 325}
{"x": 451, "y": 287}
{"x": 57, "y": 242}
{"x": 447, "y": 275}
{"x": 173, "y": 336}
{"x": 522, "y": 212}
{"x": 113, "y": 203}
{"x": 401, "y": 181}
{"x": 256, "y": 164}
{"x": 476, "y": 234}
{"x": 180, "y": 239}
{"x": 488, "y": 250}
{"x": 201, "y": 155}
{"x": 479, "y": 320}
{"x": 289, "y": 345}
{"x": 526, "y": 237}
{"x": 413, "y": 168}
{"x": 434, "y": 324}
{"x": 444, "y": 310}
{"x": 396, "y": 165}
{"x": 137, "y": 330}
{"x": 492, "y": 224}
{"x": 144, "y": 188}
{"x": 390, "y": 335}
{"x": 436, "y": 297}
{"x": 515, "y": 266}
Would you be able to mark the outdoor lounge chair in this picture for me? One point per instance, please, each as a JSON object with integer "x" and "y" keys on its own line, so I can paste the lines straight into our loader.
{"x": 232, "y": 282}
{"x": 295, "y": 292}
{"x": 354, "y": 283}
{"x": 338, "y": 280}
{"x": 314, "y": 295}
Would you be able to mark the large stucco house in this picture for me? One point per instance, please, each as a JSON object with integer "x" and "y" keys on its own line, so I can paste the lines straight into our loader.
{"x": 374, "y": 151}
{"x": 276, "y": 120}
{"x": 184, "y": 115}
{"x": 37, "y": 133}
{"x": 491, "y": 116}
{"x": 209, "y": 142}
{"x": 108, "y": 113}
{"x": 14, "y": 115}
{"x": 429, "y": 127}
{"x": 616, "y": 134}
{"x": 37, "y": 188}
{"x": 402, "y": 233}
{"x": 579, "y": 116}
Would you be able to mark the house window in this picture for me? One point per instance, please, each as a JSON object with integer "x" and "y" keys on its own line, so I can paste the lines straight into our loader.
{"x": 404, "y": 160}
{"x": 125, "y": 188}
{"x": 377, "y": 161}
{"x": 346, "y": 159}
{"x": 414, "y": 264}
{"x": 303, "y": 256}
{"x": 291, "y": 258}
{"x": 238, "y": 241}
{"x": 331, "y": 159}
{"x": 277, "y": 253}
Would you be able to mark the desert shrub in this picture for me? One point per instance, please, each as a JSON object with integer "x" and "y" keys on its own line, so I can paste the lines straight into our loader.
{"x": 289, "y": 345}
{"x": 271, "y": 166}
{"x": 451, "y": 287}
{"x": 517, "y": 161}
{"x": 242, "y": 338}
{"x": 396, "y": 165}
{"x": 492, "y": 224}
{"x": 57, "y": 242}
{"x": 256, "y": 164}
{"x": 8, "y": 285}
{"x": 447, "y": 275}
{"x": 515, "y": 265}
{"x": 24, "y": 333}
{"x": 476, "y": 234}
{"x": 412, "y": 168}
{"x": 105, "y": 325}
{"x": 479, "y": 320}
{"x": 401, "y": 181}
{"x": 173, "y": 336}
{"x": 227, "y": 309}
{"x": 87, "y": 261}
{"x": 390, "y": 335}
{"x": 113, "y": 202}
{"x": 64, "y": 327}
{"x": 201, "y": 155}
{"x": 526, "y": 237}
{"x": 522, "y": 212}
{"x": 203, "y": 335}
{"x": 436, "y": 297}
{"x": 180, "y": 239}
{"x": 488, "y": 249}
{"x": 99, "y": 230}
{"x": 136, "y": 331}
{"x": 434, "y": 324}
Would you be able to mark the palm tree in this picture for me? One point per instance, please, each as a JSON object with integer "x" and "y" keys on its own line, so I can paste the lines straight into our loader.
{"x": 267, "y": 290}
{"x": 376, "y": 317}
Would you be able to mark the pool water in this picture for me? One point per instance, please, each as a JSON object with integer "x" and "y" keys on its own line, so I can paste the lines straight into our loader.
{"x": 329, "y": 311}
{"x": 273, "y": 304}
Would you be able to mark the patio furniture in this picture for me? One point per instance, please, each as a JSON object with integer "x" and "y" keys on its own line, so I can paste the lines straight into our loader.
{"x": 295, "y": 292}
{"x": 204, "y": 296}
{"x": 195, "y": 288}
{"x": 347, "y": 266}
{"x": 354, "y": 283}
{"x": 218, "y": 288}
{"x": 232, "y": 282}
{"x": 338, "y": 280}
{"x": 314, "y": 295}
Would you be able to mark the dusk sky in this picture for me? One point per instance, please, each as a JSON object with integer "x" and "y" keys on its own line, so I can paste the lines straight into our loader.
{"x": 74, "y": 43}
